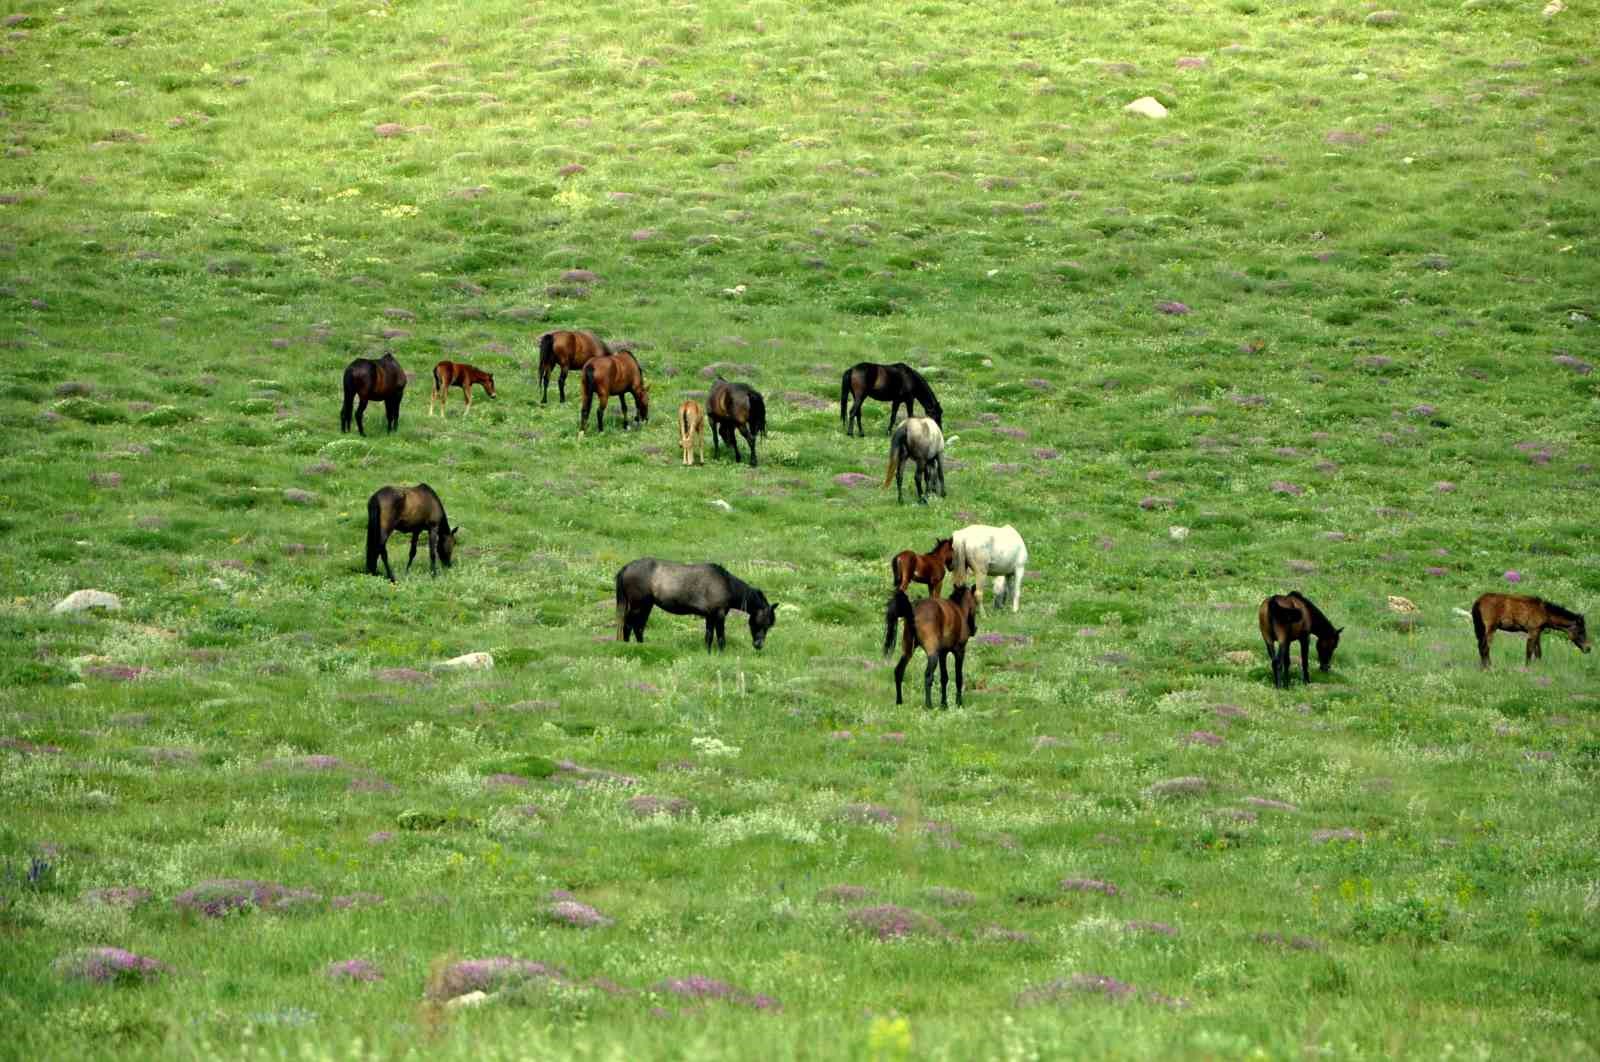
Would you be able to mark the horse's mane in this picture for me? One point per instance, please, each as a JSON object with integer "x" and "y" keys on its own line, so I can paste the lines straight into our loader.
{"x": 1317, "y": 618}
{"x": 741, "y": 590}
{"x": 924, "y": 392}
{"x": 1562, "y": 613}
{"x": 758, "y": 411}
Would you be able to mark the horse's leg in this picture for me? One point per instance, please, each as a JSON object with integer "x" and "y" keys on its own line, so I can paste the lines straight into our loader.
{"x": 583, "y": 416}
{"x": 383, "y": 553}
{"x": 935, "y": 583}
{"x": 900, "y": 483}
{"x": 733, "y": 441}
{"x": 561, "y": 384}
{"x": 927, "y": 679}
{"x": 1280, "y": 664}
{"x": 961, "y": 659}
{"x": 1305, "y": 669}
{"x": 1016, "y": 587}
{"x": 944, "y": 679}
{"x": 433, "y": 396}
{"x": 361, "y": 416}
{"x": 414, "y": 536}
{"x": 894, "y": 409}
{"x": 1533, "y": 650}
{"x": 1272, "y": 658}
{"x": 855, "y": 416}
{"x": 722, "y": 631}
{"x": 466, "y": 389}
{"x": 433, "y": 551}
{"x": 1001, "y": 585}
{"x": 544, "y": 384}
{"x": 391, "y": 413}
{"x": 750, "y": 437}
{"x": 622, "y": 400}
{"x": 600, "y": 414}
{"x": 899, "y": 676}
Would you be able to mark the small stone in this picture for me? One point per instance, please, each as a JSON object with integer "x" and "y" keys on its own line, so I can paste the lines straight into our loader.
{"x": 721, "y": 505}
{"x": 1444, "y": 486}
{"x": 1154, "y": 502}
{"x": 852, "y": 479}
{"x": 467, "y": 662}
{"x": 1383, "y": 18}
{"x": 1191, "y": 785}
{"x": 572, "y": 169}
{"x": 1281, "y": 487}
{"x": 1173, "y": 308}
{"x": 1577, "y": 365}
{"x": 389, "y": 129}
{"x": 1191, "y": 62}
{"x": 79, "y": 600}
{"x": 1146, "y": 107}
{"x": 296, "y": 496}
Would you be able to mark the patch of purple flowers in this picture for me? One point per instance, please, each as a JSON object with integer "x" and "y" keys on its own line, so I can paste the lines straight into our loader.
{"x": 118, "y": 896}
{"x": 486, "y": 975}
{"x": 109, "y": 966}
{"x": 578, "y": 915}
{"x": 1577, "y": 365}
{"x": 699, "y": 986}
{"x": 353, "y": 970}
{"x": 890, "y": 922}
{"x": 948, "y": 897}
{"x": 380, "y": 837}
{"x": 844, "y": 894}
{"x": 852, "y": 479}
{"x": 1283, "y": 487}
{"x": 223, "y": 896}
{"x": 1012, "y": 433}
{"x": 1187, "y": 786}
{"x": 1105, "y": 888}
{"x": 1204, "y": 737}
{"x": 1045, "y": 453}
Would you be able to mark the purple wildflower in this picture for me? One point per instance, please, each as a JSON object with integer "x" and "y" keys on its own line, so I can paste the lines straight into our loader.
{"x": 579, "y": 915}
{"x": 567, "y": 771}
{"x": 699, "y": 986}
{"x": 889, "y": 922}
{"x": 1513, "y": 577}
{"x": 353, "y": 970}
{"x": 223, "y": 896}
{"x": 1280, "y": 486}
{"x": 1045, "y": 741}
{"x": 486, "y": 975}
{"x": 852, "y": 479}
{"x": 840, "y": 735}
{"x": 109, "y": 966}
{"x": 894, "y": 737}
{"x": 1172, "y": 307}
{"x": 1012, "y": 433}
{"x": 118, "y": 896}
{"x": 1046, "y": 453}
{"x": 1105, "y": 888}
{"x": 306, "y": 763}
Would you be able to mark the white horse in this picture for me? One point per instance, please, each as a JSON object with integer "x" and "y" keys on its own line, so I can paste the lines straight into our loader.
{"x": 997, "y": 551}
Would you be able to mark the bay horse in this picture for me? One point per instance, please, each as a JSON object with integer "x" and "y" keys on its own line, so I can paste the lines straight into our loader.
{"x": 896, "y": 384}
{"x": 448, "y": 374}
{"x": 908, "y": 566}
{"x": 920, "y": 440}
{"x": 941, "y": 626}
{"x": 613, "y": 374}
{"x": 692, "y": 432}
{"x": 1519, "y": 612}
{"x": 689, "y": 589}
{"x": 570, "y": 351}
{"x": 414, "y": 509}
{"x": 732, "y": 406}
{"x": 367, "y": 379}
{"x": 997, "y": 551}
{"x": 1291, "y": 617}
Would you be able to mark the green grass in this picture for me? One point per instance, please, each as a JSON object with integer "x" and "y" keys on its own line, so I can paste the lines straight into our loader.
{"x": 1385, "y": 236}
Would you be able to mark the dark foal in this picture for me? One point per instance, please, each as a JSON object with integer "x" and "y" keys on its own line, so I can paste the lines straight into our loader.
{"x": 909, "y": 566}
{"x": 1519, "y": 612}
{"x": 941, "y": 626}
{"x": 414, "y": 509}
{"x": 1291, "y": 617}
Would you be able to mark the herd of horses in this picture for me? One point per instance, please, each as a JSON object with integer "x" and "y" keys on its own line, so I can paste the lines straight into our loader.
{"x": 941, "y": 626}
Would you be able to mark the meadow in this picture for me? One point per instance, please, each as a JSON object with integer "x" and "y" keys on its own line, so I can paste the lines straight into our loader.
{"x": 1329, "y": 325}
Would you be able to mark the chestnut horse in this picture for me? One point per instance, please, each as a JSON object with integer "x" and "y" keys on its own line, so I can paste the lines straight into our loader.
{"x": 732, "y": 406}
{"x": 414, "y": 509}
{"x": 1291, "y": 617}
{"x": 367, "y": 379}
{"x": 941, "y": 626}
{"x": 692, "y": 432}
{"x": 897, "y": 384}
{"x": 571, "y": 351}
{"x": 1518, "y": 612}
{"x": 909, "y": 566}
{"x": 448, "y": 374}
{"x": 613, "y": 374}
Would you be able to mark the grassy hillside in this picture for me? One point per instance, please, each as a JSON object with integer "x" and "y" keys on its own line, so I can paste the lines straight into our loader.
{"x": 1329, "y": 325}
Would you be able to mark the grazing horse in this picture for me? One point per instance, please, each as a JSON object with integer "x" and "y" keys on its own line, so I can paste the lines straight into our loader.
{"x": 692, "y": 432}
{"x": 920, "y": 440}
{"x": 613, "y": 374}
{"x": 682, "y": 589}
{"x": 367, "y": 379}
{"x": 414, "y": 509}
{"x": 448, "y": 374}
{"x": 997, "y": 551}
{"x": 732, "y": 406}
{"x": 1291, "y": 617}
{"x": 941, "y": 626}
{"x": 898, "y": 383}
{"x": 909, "y": 566}
{"x": 571, "y": 351}
{"x": 1518, "y": 612}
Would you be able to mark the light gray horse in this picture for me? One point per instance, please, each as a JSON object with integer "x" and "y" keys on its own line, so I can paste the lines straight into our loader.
{"x": 918, "y": 439}
{"x": 684, "y": 589}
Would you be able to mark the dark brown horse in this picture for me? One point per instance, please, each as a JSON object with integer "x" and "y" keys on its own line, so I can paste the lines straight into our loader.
{"x": 613, "y": 374}
{"x": 941, "y": 626}
{"x": 896, "y": 384}
{"x": 732, "y": 406}
{"x": 367, "y": 379}
{"x": 1519, "y": 612}
{"x": 448, "y": 374}
{"x": 909, "y": 566}
{"x": 1291, "y": 617}
{"x": 570, "y": 351}
{"x": 414, "y": 509}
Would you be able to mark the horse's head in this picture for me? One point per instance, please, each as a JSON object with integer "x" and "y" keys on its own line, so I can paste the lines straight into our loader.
{"x": 447, "y": 544}
{"x": 1580, "y": 635}
{"x": 1325, "y": 647}
{"x": 946, "y": 548}
{"x": 488, "y": 383}
{"x": 762, "y": 616}
{"x": 967, "y": 600}
{"x": 934, "y": 410}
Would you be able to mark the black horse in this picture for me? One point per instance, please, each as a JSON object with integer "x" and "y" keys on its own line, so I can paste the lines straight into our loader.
{"x": 732, "y": 406}
{"x": 684, "y": 589}
{"x": 896, "y": 384}
{"x": 367, "y": 379}
{"x": 414, "y": 509}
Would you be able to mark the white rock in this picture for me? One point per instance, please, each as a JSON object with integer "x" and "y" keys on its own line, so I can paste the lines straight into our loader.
{"x": 1148, "y": 106}
{"x": 1177, "y": 534}
{"x": 79, "y": 600}
{"x": 470, "y": 999}
{"x": 720, "y": 504}
{"x": 1402, "y": 605}
{"x": 469, "y": 662}
{"x": 1553, "y": 8}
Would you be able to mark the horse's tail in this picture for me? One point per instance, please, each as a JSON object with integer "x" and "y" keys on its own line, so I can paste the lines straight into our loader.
{"x": 349, "y": 400}
{"x": 439, "y": 382}
{"x": 547, "y": 354}
{"x": 844, "y": 399}
{"x": 958, "y": 560}
{"x": 1479, "y": 628}
{"x": 899, "y": 608}
{"x": 374, "y": 533}
{"x": 897, "y": 449}
{"x": 622, "y": 608}
{"x": 588, "y": 377}
{"x": 758, "y": 414}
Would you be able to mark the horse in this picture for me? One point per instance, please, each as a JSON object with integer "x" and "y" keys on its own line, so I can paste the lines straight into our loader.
{"x": 919, "y": 439}
{"x": 1291, "y": 617}
{"x": 367, "y": 379}
{"x": 448, "y": 374}
{"x": 1519, "y": 612}
{"x": 983, "y": 550}
{"x": 941, "y": 626}
{"x": 692, "y": 432}
{"x": 683, "y": 589}
{"x": 414, "y": 509}
{"x": 896, "y": 384}
{"x": 571, "y": 351}
{"x": 909, "y": 566}
{"x": 613, "y": 374}
{"x": 732, "y": 406}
